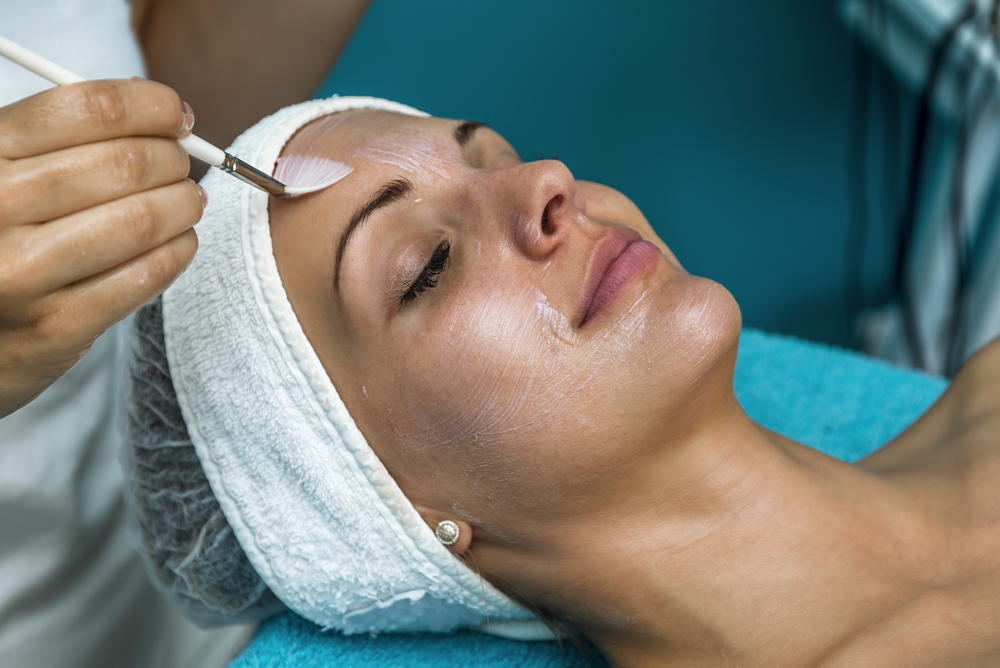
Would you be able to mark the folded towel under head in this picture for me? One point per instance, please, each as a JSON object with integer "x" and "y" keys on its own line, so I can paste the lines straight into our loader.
{"x": 316, "y": 512}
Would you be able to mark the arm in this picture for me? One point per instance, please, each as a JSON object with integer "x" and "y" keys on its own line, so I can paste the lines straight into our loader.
{"x": 237, "y": 61}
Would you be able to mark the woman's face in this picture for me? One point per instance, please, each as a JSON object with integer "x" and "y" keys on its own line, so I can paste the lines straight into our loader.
{"x": 507, "y": 338}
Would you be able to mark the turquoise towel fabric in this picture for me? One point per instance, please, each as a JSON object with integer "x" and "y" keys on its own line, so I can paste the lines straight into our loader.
{"x": 288, "y": 641}
{"x": 837, "y": 401}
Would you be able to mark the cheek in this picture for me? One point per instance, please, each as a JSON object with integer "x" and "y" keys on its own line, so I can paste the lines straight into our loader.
{"x": 489, "y": 354}
{"x": 503, "y": 393}
{"x": 472, "y": 391}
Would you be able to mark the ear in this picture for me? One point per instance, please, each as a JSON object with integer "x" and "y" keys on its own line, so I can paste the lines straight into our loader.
{"x": 433, "y": 518}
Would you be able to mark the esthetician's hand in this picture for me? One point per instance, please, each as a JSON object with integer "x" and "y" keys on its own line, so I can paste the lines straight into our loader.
{"x": 96, "y": 216}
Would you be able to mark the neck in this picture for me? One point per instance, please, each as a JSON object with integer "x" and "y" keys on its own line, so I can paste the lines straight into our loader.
{"x": 739, "y": 547}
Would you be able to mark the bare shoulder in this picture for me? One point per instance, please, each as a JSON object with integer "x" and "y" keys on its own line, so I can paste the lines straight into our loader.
{"x": 954, "y": 448}
{"x": 961, "y": 422}
{"x": 977, "y": 386}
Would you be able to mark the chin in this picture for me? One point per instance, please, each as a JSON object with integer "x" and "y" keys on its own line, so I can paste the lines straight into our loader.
{"x": 697, "y": 332}
{"x": 726, "y": 312}
{"x": 714, "y": 320}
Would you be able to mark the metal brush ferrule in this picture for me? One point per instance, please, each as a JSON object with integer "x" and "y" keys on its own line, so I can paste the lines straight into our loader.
{"x": 254, "y": 177}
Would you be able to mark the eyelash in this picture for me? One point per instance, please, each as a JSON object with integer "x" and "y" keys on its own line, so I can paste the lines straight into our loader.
{"x": 429, "y": 276}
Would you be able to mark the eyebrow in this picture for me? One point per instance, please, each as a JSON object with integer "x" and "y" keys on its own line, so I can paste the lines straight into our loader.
{"x": 391, "y": 192}
{"x": 465, "y": 130}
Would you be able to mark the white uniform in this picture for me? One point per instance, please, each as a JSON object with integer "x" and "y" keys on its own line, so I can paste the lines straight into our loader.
{"x": 72, "y": 590}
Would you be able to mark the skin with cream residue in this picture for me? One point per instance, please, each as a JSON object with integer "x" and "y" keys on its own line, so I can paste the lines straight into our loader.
{"x": 530, "y": 361}
{"x": 410, "y": 152}
{"x": 491, "y": 377}
{"x": 503, "y": 292}
{"x": 413, "y": 161}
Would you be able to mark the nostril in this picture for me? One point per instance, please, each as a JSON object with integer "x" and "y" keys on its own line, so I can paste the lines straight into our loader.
{"x": 553, "y": 204}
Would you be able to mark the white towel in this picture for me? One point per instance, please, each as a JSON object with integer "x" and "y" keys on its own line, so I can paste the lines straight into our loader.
{"x": 315, "y": 510}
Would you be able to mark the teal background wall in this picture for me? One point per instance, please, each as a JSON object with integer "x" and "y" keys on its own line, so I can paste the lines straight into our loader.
{"x": 725, "y": 121}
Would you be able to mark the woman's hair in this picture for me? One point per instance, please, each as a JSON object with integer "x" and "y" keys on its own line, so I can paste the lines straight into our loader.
{"x": 190, "y": 551}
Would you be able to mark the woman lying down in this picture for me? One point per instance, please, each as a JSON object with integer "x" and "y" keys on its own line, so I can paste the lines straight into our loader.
{"x": 453, "y": 362}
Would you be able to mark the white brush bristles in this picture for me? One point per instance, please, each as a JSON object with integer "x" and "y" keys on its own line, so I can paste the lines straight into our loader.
{"x": 303, "y": 174}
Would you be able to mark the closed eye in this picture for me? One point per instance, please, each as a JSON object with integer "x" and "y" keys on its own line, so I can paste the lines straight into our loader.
{"x": 428, "y": 278}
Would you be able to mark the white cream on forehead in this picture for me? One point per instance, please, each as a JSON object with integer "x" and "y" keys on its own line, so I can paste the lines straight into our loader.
{"x": 412, "y": 151}
{"x": 418, "y": 153}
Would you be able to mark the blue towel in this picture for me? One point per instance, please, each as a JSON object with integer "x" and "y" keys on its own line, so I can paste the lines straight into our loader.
{"x": 837, "y": 401}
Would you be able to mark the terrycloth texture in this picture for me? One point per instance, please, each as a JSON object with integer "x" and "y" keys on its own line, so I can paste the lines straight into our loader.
{"x": 192, "y": 556}
{"x": 837, "y": 401}
{"x": 844, "y": 404}
{"x": 317, "y": 514}
{"x": 287, "y": 641}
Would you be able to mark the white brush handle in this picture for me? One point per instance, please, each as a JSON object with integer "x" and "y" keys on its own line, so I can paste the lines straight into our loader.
{"x": 40, "y": 66}
{"x": 195, "y": 146}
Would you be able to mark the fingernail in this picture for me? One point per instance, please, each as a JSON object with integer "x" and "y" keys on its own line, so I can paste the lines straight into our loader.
{"x": 138, "y": 78}
{"x": 204, "y": 195}
{"x": 188, "y": 120}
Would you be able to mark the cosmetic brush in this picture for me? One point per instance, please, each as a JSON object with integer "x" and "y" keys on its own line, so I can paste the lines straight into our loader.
{"x": 323, "y": 172}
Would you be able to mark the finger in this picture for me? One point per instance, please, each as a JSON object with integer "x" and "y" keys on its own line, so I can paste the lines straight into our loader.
{"x": 82, "y": 311}
{"x": 91, "y": 111}
{"x": 42, "y": 188}
{"x": 91, "y": 241}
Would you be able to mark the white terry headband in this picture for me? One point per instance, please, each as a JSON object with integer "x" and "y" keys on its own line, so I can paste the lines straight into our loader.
{"x": 316, "y": 512}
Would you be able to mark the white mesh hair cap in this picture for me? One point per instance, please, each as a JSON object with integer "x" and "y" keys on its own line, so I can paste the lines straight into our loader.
{"x": 191, "y": 553}
{"x": 314, "y": 510}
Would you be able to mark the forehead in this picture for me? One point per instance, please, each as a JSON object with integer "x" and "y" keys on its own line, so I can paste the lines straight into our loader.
{"x": 348, "y": 131}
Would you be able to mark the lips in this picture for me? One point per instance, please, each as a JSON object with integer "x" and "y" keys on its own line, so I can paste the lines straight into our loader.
{"x": 620, "y": 256}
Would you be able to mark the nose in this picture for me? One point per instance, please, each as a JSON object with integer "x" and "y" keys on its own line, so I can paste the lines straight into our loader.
{"x": 540, "y": 206}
